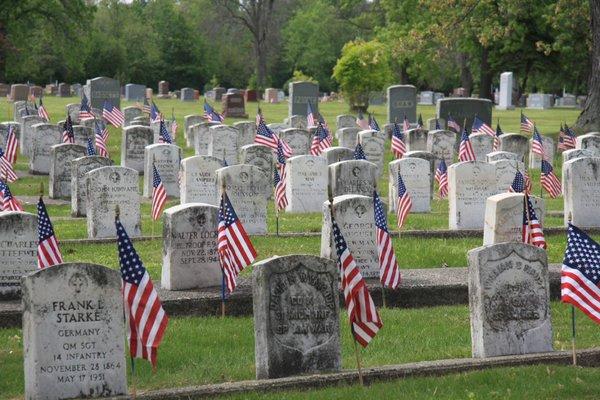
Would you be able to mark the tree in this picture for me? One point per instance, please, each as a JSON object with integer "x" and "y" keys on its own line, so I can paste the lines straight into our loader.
{"x": 362, "y": 68}
{"x": 589, "y": 119}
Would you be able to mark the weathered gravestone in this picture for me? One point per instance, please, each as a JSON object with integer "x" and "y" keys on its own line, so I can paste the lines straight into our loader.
{"x": 20, "y": 108}
{"x": 61, "y": 156}
{"x": 482, "y": 144}
{"x": 515, "y": 143}
{"x": 345, "y": 121}
{"x": 155, "y": 126}
{"x": 443, "y": 145}
{"x": 297, "y": 121}
{"x": 142, "y": 120}
{"x": 589, "y": 141}
{"x": 302, "y": 93}
{"x": 402, "y": 100}
{"x": 190, "y": 258}
{"x": 199, "y": 179}
{"x": 18, "y": 250}
{"x": 581, "y": 191}
{"x": 502, "y": 155}
{"x": 135, "y": 92}
{"x": 188, "y": 121}
{"x": 335, "y": 154}
{"x": 429, "y": 157}
{"x": 79, "y": 168}
{"x": 233, "y": 105}
{"x": 19, "y": 92}
{"x": 505, "y": 173}
{"x": 82, "y": 133}
{"x": 347, "y": 137}
{"x": 25, "y": 141}
{"x": 43, "y": 137}
{"x": 416, "y": 140}
{"x": 200, "y": 134}
{"x": 432, "y": 123}
{"x": 535, "y": 160}
{"x": 306, "y": 183}
{"x": 4, "y": 128}
{"x": 73, "y": 111}
{"x": 108, "y": 187}
{"x": 373, "y": 144}
{"x": 73, "y": 332}
{"x": 416, "y": 175}
{"x": 509, "y": 300}
{"x": 248, "y": 189}
{"x": 258, "y": 155}
{"x": 352, "y": 177}
{"x": 504, "y": 217}
{"x": 163, "y": 90}
{"x": 299, "y": 140}
{"x": 222, "y": 143}
{"x": 296, "y": 316}
{"x": 246, "y": 132}
{"x": 355, "y": 216}
{"x": 167, "y": 159}
{"x": 470, "y": 184}
{"x": 133, "y": 146}
{"x": 130, "y": 113}
{"x": 76, "y": 89}
{"x": 575, "y": 153}
{"x": 187, "y": 94}
{"x": 461, "y": 108}
{"x": 101, "y": 89}
{"x": 279, "y": 127}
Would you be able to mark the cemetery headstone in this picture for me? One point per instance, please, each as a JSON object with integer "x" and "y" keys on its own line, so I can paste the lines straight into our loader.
{"x": 504, "y": 217}
{"x": 335, "y": 154}
{"x": 297, "y": 121}
{"x": 4, "y": 127}
{"x": 539, "y": 100}
{"x": 64, "y": 90}
{"x": 101, "y": 89}
{"x": 130, "y": 113}
{"x": 347, "y": 137}
{"x": 416, "y": 175}
{"x": 73, "y": 111}
{"x": 4, "y": 89}
{"x": 373, "y": 144}
{"x": 298, "y": 139}
{"x": 133, "y": 145}
{"x": 82, "y": 133}
{"x": 79, "y": 168}
{"x": 306, "y": 183}
{"x": 167, "y": 158}
{"x": 505, "y": 173}
{"x": 199, "y": 179}
{"x": 430, "y": 123}
{"x": 402, "y": 100}
{"x": 535, "y": 160}
{"x": 19, "y": 92}
{"x": 25, "y": 141}
{"x": 187, "y": 94}
{"x": 61, "y": 156}
{"x": 201, "y": 135}
{"x": 461, "y": 108}
{"x": 188, "y": 121}
{"x": 233, "y": 105}
{"x": 345, "y": 121}
{"x": 352, "y": 177}
{"x": 163, "y": 90}
{"x": 581, "y": 191}
{"x": 590, "y": 142}
{"x": 301, "y": 93}
{"x": 43, "y": 137}
{"x": 482, "y": 145}
{"x": 76, "y": 89}
{"x": 502, "y": 155}
{"x": 135, "y": 92}
{"x": 442, "y": 144}
{"x": 258, "y": 155}
{"x": 219, "y": 92}
{"x": 222, "y": 143}
{"x": 507, "y": 84}
{"x": 271, "y": 95}
{"x": 515, "y": 143}
{"x": 416, "y": 140}
{"x": 246, "y": 132}
{"x": 575, "y": 153}
{"x": 426, "y": 98}
{"x": 429, "y": 157}
{"x": 250, "y": 95}
{"x": 18, "y": 250}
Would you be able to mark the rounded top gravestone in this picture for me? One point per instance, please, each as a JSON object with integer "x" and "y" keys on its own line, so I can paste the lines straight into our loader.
{"x": 18, "y": 250}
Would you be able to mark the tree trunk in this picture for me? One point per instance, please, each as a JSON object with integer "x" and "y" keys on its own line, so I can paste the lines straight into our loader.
{"x": 3, "y": 52}
{"x": 485, "y": 76}
{"x": 466, "y": 77}
{"x": 404, "y": 79}
{"x": 589, "y": 119}
{"x": 261, "y": 65}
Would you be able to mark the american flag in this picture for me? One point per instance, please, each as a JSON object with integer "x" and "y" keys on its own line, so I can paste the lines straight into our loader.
{"x": 441, "y": 177}
{"x": 42, "y": 112}
{"x": 361, "y": 121}
{"x": 6, "y": 168}
{"x": 234, "y": 246}
{"x": 146, "y": 106}
{"x": 389, "y": 273}
{"x": 112, "y": 114}
{"x": 405, "y": 124}
{"x": 90, "y": 150}
{"x": 404, "y": 202}
{"x": 85, "y": 112}
{"x": 497, "y": 135}
{"x": 373, "y": 123}
{"x": 321, "y": 141}
{"x": 518, "y": 184}
{"x": 8, "y": 201}
{"x": 310, "y": 116}
{"x": 211, "y": 115}
{"x": 537, "y": 145}
{"x": 526, "y": 124}
{"x": 452, "y": 124}
{"x": 532, "y": 229}
{"x": 528, "y": 184}
{"x": 549, "y": 181}
{"x": 569, "y": 138}
{"x": 481, "y": 127}
{"x": 280, "y": 196}
{"x": 465, "y": 150}
{"x": 164, "y": 136}
{"x": 155, "y": 115}
{"x": 12, "y": 145}
{"x": 398, "y": 146}
{"x": 159, "y": 194}
{"x": 146, "y": 318}
{"x": 68, "y": 133}
{"x": 364, "y": 319}
{"x": 420, "y": 122}
{"x": 265, "y": 136}
{"x": 437, "y": 124}
{"x": 48, "y": 249}
{"x": 174, "y": 128}
{"x": 99, "y": 138}
{"x": 359, "y": 153}
{"x": 580, "y": 273}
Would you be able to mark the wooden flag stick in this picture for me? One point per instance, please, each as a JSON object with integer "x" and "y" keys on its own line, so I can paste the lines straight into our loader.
{"x": 358, "y": 364}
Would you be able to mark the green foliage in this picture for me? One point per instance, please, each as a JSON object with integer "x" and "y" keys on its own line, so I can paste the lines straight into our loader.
{"x": 362, "y": 68}
{"x": 296, "y": 77}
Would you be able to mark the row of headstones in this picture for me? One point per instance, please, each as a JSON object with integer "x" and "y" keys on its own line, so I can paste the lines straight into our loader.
{"x": 21, "y": 92}
{"x": 73, "y": 327}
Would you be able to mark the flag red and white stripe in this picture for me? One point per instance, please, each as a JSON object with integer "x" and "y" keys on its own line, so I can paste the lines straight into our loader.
{"x": 49, "y": 253}
{"x": 465, "y": 150}
{"x": 532, "y": 232}
{"x": 404, "y": 202}
{"x": 159, "y": 194}
{"x": 389, "y": 273}
{"x": 12, "y": 145}
{"x": 6, "y": 169}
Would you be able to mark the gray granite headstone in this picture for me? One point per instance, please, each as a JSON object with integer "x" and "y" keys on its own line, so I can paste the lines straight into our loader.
{"x": 461, "y": 108}
{"x": 509, "y": 300}
{"x": 335, "y": 154}
{"x": 188, "y": 121}
{"x": 296, "y": 316}
{"x": 402, "y": 100}
{"x": 73, "y": 333}
{"x": 43, "y": 137}
{"x": 301, "y": 93}
{"x": 258, "y": 155}
{"x": 373, "y": 144}
{"x": 222, "y": 143}
{"x": 416, "y": 140}
{"x": 18, "y": 250}
{"x": 200, "y": 134}
{"x": 297, "y": 121}
{"x": 25, "y": 140}
{"x": 133, "y": 146}
{"x": 443, "y": 145}
{"x": 4, "y": 127}
{"x": 347, "y": 137}
{"x": 64, "y": 90}
{"x": 246, "y": 132}
{"x": 582, "y": 191}
{"x": 515, "y": 143}
{"x": 345, "y": 121}
{"x": 199, "y": 179}
{"x": 540, "y": 101}
{"x": 352, "y": 177}
{"x": 135, "y": 92}
{"x": 101, "y": 89}
{"x": 190, "y": 258}
{"x": 306, "y": 183}
{"x": 299, "y": 140}
{"x": 79, "y": 168}
{"x": 82, "y": 133}
{"x": 187, "y": 94}
{"x": 507, "y": 84}
{"x": 130, "y": 113}
{"x": 61, "y": 156}
{"x": 167, "y": 158}
{"x": 482, "y": 144}
{"x": 73, "y": 111}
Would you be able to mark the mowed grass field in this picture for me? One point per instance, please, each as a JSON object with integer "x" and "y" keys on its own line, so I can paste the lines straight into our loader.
{"x": 207, "y": 350}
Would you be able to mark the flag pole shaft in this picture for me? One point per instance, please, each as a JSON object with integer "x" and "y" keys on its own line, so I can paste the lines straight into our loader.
{"x": 222, "y": 293}
{"x": 357, "y": 352}
{"x": 277, "y": 222}
{"x": 573, "y": 334}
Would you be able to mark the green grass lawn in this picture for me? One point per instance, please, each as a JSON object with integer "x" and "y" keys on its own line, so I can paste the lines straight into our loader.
{"x": 198, "y": 351}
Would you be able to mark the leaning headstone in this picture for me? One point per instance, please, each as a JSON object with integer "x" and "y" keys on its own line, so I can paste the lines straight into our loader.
{"x": 246, "y": 132}
{"x": 502, "y": 155}
{"x": 82, "y": 133}
{"x": 482, "y": 144}
{"x": 416, "y": 140}
{"x": 507, "y": 84}
{"x": 575, "y": 153}
{"x": 470, "y": 184}
{"x": 505, "y": 173}
{"x": 302, "y": 93}
{"x": 199, "y": 179}
{"x": 25, "y": 141}
{"x": 589, "y": 141}
{"x": 509, "y": 300}
{"x": 299, "y": 140}
{"x": 373, "y": 144}
{"x": 108, "y": 187}
{"x": 73, "y": 332}
{"x": 335, "y": 154}
{"x": 347, "y": 137}
{"x": 306, "y": 183}
{"x": 187, "y": 94}
{"x": 19, "y": 92}
{"x": 130, "y": 113}
{"x": 166, "y": 158}
{"x": 402, "y": 100}
{"x": 200, "y": 134}
{"x": 233, "y": 105}
{"x": 461, "y": 108}
{"x": 133, "y": 146}
{"x": 581, "y": 191}
{"x": 101, "y": 89}
{"x": 190, "y": 258}
{"x": 296, "y": 316}
{"x": 135, "y": 92}
{"x": 248, "y": 189}
{"x": 345, "y": 121}
{"x": 79, "y": 168}
{"x": 515, "y": 143}
{"x": 355, "y": 216}
{"x": 416, "y": 175}
{"x": 442, "y": 144}
{"x": 258, "y": 155}
{"x": 18, "y": 250}
{"x": 535, "y": 160}
{"x": 43, "y": 137}
{"x": 188, "y": 121}
{"x": 352, "y": 177}
{"x": 61, "y": 156}
{"x": 504, "y": 217}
